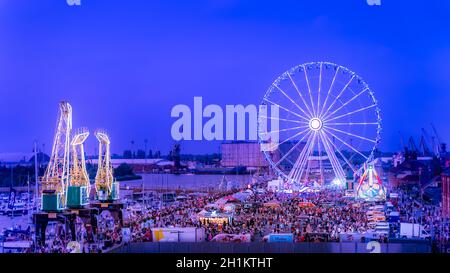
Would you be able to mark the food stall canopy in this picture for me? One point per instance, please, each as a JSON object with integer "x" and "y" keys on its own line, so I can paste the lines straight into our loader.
{"x": 272, "y": 204}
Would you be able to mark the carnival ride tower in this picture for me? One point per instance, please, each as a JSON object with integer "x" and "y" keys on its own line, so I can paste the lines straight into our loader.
{"x": 79, "y": 188}
{"x": 56, "y": 176}
{"x": 370, "y": 187}
{"x": 106, "y": 188}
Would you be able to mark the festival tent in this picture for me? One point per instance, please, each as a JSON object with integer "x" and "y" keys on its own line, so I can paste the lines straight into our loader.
{"x": 214, "y": 217}
{"x": 241, "y": 196}
{"x": 272, "y": 204}
{"x": 232, "y": 198}
{"x": 232, "y": 238}
{"x": 222, "y": 201}
{"x": 306, "y": 205}
{"x": 229, "y": 207}
{"x": 181, "y": 197}
{"x": 275, "y": 185}
{"x": 210, "y": 207}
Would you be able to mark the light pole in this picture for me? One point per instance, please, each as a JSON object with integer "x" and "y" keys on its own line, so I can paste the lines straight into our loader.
{"x": 143, "y": 170}
{"x": 35, "y": 177}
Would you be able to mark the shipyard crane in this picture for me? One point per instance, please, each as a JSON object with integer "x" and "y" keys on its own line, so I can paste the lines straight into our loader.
{"x": 426, "y": 142}
{"x": 441, "y": 147}
{"x": 412, "y": 145}
{"x": 106, "y": 188}
{"x": 402, "y": 142}
{"x": 432, "y": 142}
{"x": 79, "y": 188}
{"x": 424, "y": 147}
{"x": 56, "y": 176}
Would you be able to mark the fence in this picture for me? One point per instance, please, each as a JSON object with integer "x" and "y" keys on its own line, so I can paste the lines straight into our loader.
{"x": 214, "y": 247}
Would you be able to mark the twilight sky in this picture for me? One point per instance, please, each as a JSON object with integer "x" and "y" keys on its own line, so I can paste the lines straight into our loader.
{"x": 123, "y": 65}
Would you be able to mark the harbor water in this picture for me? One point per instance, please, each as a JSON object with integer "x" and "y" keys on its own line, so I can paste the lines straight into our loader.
{"x": 172, "y": 182}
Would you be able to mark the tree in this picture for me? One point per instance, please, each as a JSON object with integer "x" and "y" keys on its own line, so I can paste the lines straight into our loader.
{"x": 140, "y": 154}
{"x": 127, "y": 154}
{"x": 123, "y": 170}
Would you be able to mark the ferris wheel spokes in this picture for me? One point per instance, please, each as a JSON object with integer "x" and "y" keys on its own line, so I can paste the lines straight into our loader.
{"x": 350, "y": 134}
{"x": 299, "y": 162}
{"x": 319, "y": 148}
{"x": 352, "y": 123}
{"x": 309, "y": 91}
{"x": 306, "y": 158}
{"x": 346, "y": 144}
{"x": 340, "y": 153}
{"x": 337, "y": 168}
{"x": 300, "y": 94}
{"x": 329, "y": 91}
{"x": 289, "y": 98}
{"x": 294, "y": 147}
{"x": 285, "y": 109}
{"x": 319, "y": 89}
{"x": 339, "y": 95}
{"x": 285, "y": 130}
{"x": 283, "y": 119}
{"x": 346, "y": 103}
{"x": 351, "y": 113}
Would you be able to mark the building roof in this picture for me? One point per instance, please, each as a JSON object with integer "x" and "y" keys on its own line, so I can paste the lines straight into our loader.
{"x": 15, "y": 157}
{"x": 446, "y": 172}
{"x": 410, "y": 165}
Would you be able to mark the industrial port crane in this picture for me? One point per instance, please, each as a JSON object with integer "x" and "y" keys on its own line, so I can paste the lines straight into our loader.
{"x": 56, "y": 176}
{"x": 79, "y": 188}
{"x": 106, "y": 188}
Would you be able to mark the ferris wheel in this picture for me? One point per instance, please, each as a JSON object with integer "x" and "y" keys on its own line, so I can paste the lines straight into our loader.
{"x": 329, "y": 124}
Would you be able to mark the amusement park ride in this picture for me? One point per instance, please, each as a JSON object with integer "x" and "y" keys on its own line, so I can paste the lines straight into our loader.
{"x": 66, "y": 187}
{"x": 370, "y": 187}
{"x": 329, "y": 127}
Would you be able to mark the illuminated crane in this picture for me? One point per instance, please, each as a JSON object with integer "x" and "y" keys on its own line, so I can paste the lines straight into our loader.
{"x": 106, "y": 188}
{"x": 79, "y": 186}
{"x": 56, "y": 176}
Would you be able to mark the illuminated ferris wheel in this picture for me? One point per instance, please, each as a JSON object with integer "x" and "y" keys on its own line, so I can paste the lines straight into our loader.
{"x": 329, "y": 124}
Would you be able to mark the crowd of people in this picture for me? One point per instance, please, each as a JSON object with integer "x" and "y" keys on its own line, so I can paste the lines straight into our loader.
{"x": 311, "y": 217}
{"x": 331, "y": 213}
{"x": 425, "y": 214}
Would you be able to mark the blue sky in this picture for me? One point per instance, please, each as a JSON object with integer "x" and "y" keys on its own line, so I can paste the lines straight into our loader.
{"x": 124, "y": 64}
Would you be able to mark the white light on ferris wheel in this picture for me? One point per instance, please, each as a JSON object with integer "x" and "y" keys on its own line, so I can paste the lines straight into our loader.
{"x": 338, "y": 182}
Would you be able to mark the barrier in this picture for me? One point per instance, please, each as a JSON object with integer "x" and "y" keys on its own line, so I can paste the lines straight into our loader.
{"x": 212, "y": 247}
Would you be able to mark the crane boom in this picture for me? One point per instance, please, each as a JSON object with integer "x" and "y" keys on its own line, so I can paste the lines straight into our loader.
{"x": 56, "y": 176}
{"x": 79, "y": 186}
{"x": 436, "y": 134}
{"x": 105, "y": 186}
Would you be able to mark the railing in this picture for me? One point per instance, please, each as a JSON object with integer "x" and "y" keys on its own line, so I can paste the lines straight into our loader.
{"x": 214, "y": 247}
